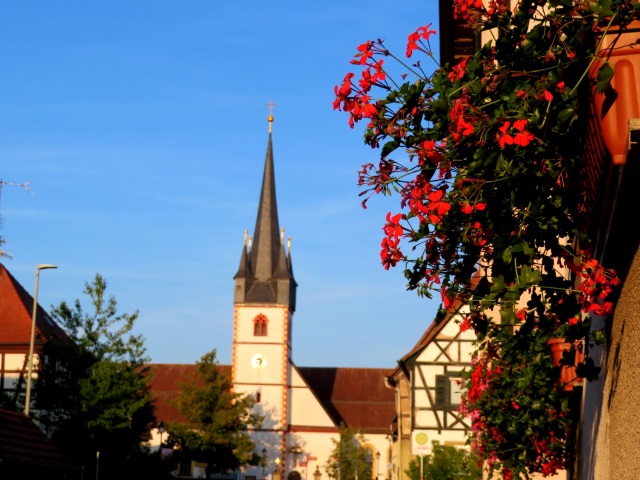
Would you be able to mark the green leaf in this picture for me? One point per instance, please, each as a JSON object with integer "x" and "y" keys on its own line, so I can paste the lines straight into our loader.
{"x": 567, "y": 115}
{"x": 600, "y": 337}
{"x": 503, "y": 168}
{"x": 605, "y": 74}
{"x": 527, "y": 249}
{"x": 528, "y": 276}
{"x": 498, "y": 285}
{"x": 507, "y": 254}
{"x": 508, "y": 316}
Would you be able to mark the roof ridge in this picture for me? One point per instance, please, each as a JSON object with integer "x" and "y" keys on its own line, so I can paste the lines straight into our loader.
{"x": 18, "y": 305}
{"x": 16, "y": 290}
{"x": 17, "y": 414}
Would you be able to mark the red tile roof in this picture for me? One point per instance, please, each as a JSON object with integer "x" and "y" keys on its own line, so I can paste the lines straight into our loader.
{"x": 356, "y": 397}
{"x": 22, "y": 442}
{"x": 165, "y": 386}
{"x": 16, "y": 307}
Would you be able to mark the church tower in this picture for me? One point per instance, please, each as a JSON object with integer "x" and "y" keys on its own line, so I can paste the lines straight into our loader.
{"x": 264, "y": 303}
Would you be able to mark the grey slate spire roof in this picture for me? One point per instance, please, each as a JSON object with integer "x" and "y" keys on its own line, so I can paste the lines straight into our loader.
{"x": 265, "y": 272}
{"x": 266, "y": 247}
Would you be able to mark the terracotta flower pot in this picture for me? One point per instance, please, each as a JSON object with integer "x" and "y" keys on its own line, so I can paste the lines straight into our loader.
{"x": 615, "y": 107}
{"x": 568, "y": 373}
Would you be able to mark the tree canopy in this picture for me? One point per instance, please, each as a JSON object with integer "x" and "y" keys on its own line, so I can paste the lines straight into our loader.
{"x": 216, "y": 420}
{"x": 94, "y": 393}
{"x": 446, "y": 463}
{"x": 349, "y": 459}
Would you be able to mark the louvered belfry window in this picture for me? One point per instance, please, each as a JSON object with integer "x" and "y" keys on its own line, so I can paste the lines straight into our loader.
{"x": 260, "y": 326}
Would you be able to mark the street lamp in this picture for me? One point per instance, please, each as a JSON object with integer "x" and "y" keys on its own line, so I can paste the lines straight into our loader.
{"x": 378, "y": 465}
{"x": 264, "y": 461}
{"x": 27, "y": 400}
{"x": 295, "y": 450}
{"x": 161, "y": 430}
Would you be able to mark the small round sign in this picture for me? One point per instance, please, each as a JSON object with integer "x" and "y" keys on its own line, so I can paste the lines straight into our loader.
{"x": 421, "y": 438}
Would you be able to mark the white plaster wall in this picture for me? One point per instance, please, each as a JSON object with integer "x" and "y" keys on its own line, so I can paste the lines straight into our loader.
{"x": 317, "y": 445}
{"x": 270, "y": 380}
{"x": 272, "y": 442}
{"x": 307, "y": 410}
{"x": 278, "y": 317}
{"x": 320, "y": 446}
{"x": 466, "y": 350}
{"x": 296, "y": 379}
{"x": 270, "y": 406}
{"x": 273, "y": 371}
{"x": 15, "y": 361}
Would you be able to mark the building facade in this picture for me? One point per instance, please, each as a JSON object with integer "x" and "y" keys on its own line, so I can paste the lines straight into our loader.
{"x": 427, "y": 391}
{"x": 605, "y": 444}
{"x": 303, "y": 407}
{"x": 16, "y": 310}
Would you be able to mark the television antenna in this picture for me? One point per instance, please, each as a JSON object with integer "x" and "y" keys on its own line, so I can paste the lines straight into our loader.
{"x": 25, "y": 186}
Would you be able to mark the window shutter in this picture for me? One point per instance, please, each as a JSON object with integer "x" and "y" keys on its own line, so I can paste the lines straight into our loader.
{"x": 441, "y": 390}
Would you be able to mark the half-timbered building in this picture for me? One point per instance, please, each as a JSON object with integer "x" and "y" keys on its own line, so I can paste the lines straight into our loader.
{"x": 428, "y": 394}
{"x": 609, "y": 425}
{"x": 16, "y": 314}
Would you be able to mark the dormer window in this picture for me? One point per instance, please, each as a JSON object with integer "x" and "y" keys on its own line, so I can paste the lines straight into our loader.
{"x": 260, "y": 326}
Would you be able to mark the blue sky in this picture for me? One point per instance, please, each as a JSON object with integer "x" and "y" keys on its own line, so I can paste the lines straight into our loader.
{"x": 141, "y": 127}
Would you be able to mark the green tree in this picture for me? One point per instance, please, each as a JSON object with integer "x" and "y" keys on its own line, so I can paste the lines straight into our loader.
{"x": 94, "y": 395}
{"x": 446, "y": 463}
{"x": 8, "y": 402}
{"x": 217, "y": 420}
{"x": 349, "y": 460}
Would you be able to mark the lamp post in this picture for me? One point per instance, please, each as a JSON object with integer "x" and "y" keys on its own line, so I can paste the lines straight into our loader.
{"x": 276, "y": 472}
{"x": 161, "y": 430}
{"x": 295, "y": 450}
{"x": 377, "y": 465}
{"x": 264, "y": 461}
{"x": 27, "y": 400}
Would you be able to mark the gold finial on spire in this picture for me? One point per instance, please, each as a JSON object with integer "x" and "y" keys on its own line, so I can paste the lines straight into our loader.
{"x": 246, "y": 234}
{"x": 271, "y": 106}
{"x": 282, "y": 236}
{"x": 289, "y": 246}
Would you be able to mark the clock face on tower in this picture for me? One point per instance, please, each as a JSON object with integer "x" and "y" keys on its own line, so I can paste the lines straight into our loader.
{"x": 258, "y": 361}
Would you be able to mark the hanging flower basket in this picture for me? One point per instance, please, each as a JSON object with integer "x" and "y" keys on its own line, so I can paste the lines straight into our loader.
{"x": 568, "y": 373}
{"x": 486, "y": 155}
{"x": 614, "y": 107}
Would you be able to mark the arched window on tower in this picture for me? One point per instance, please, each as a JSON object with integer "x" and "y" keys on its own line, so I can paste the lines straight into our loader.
{"x": 260, "y": 326}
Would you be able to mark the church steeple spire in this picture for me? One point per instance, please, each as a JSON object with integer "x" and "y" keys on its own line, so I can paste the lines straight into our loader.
{"x": 265, "y": 274}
